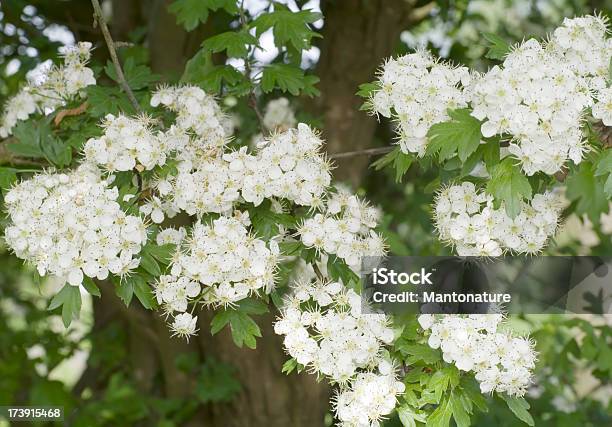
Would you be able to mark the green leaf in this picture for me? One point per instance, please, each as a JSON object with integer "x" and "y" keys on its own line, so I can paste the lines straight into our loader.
{"x": 441, "y": 416}
{"x": 189, "y": 13}
{"x": 585, "y": 188}
{"x": 408, "y": 417}
{"x": 509, "y": 185}
{"x": 288, "y": 27}
{"x": 243, "y": 328}
{"x": 490, "y": 154}
{"x": 416, "y": 352}
{"x": 30, "y": 135}
{"x": 442, "y": 379}
{"x": 107, "y": 100}
{"x": 149, "y": 264}
{"x": 91, "y": 287}
{"x": 339, "y": 270}
{"x": 55, "y": 151}
{"x": 69, "y": 298}
{"x": 401, "y": 162}
{"x": 519, "y": 407}
{"x": 460, "y": 135}
{"x": 604, "y": 167}
{"x": 201, "y": 71}
{"x": 253, "y": 306}
{"x": 287, "y": 78}
{"x": 125, "y": 290}
{"x": 219, "y": 321}
{"x": 460, "y": 414}
{"x": 366, "y": 89}
{"x": 498, "y": 47}
{"x": 236, "y": 43}
{"x": 289, "y": 366}
{"x": 216, "y": 382}
{"x": 162, "y": 253}
{"x": 138, "y": 76}
{"x": 265, "y": 221}
{"x": 7, "y": 177}
{"x": 143, "y": 291}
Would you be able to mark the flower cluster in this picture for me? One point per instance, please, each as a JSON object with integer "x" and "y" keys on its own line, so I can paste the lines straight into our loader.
{"x": 467, "y": 219}
{"x": 344, "y": 229}
{"x": 69, "y": 225}
{"x": 602, "y": 109}
{"x": 128, "y": 142}
{"x": 501, "y": 362}
{"x": 58, "y": 85}
{"x": 174, "y": 295}
{"x": 417, "y": 91}
{"x": 287, "y": 165}
{"x": 537, "y": 100}
{"x": 197, "y": 113}
{"x": 368, "y": 400}
{"x": 229, "y": 262}
{"x": 278, "y": 115}
{"x": 585, "y": 47}
{"x": 326, "y": 331}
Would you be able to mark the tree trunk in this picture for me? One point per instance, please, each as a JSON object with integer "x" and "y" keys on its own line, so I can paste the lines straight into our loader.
{"x": 357, "y": 36}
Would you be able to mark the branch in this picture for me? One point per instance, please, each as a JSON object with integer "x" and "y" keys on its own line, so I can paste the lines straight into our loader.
{"x": 368, "y": 152}
{"x": 252, "y": 98}
{"x": 113, "y": 54}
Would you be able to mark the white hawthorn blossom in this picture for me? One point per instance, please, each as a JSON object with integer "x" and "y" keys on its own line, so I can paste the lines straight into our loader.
{"x": 128, "y": 142}
{"x": 368, "y": 399}
{"x": 536, "y": 99}
{"x": 70, "y": 225}
{"x": 225, "y": 258}
{"x": 278, "y": 115}
{"x": 59, "y": 84}
{"x": 501, "y": 362}
{"x": 345, "y": 228}
{"x": 585, "y": 47}
{"x": 602, "y": 109}
{"x": 184, "y": 325}
{"x": 325, "y": 330}
{"x": 466, "y": 219}
{"x": 417, "y": 90}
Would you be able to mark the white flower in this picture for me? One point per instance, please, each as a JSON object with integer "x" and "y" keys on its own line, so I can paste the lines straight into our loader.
{"x": 57, "y": 85}
{"x": 332, "y": 337}
{"x": 71, "y": 226}
{"x": 184, "y": 325}
{"x": 224, "y": 257}
{"x": 603, "y": 106}
{"x": 279, "y": 115}
{"x": 368, "y": 399}
{"x": 501, "y": 362}
{"x": 128, "y": 142}
{"x": 345, "y": 229}
{"x": 467, "y": 219}
{"x": 417, "y": 91}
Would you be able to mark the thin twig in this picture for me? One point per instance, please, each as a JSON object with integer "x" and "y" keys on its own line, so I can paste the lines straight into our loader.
{"x": 113, "y": 54}
{"x": 252, "y": 98}
{"x": 317, "y": 271}
{"x": 368, "y": 152}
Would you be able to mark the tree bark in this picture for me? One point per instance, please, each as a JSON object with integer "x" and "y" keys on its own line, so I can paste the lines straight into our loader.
{"x": 357, "y": 36}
